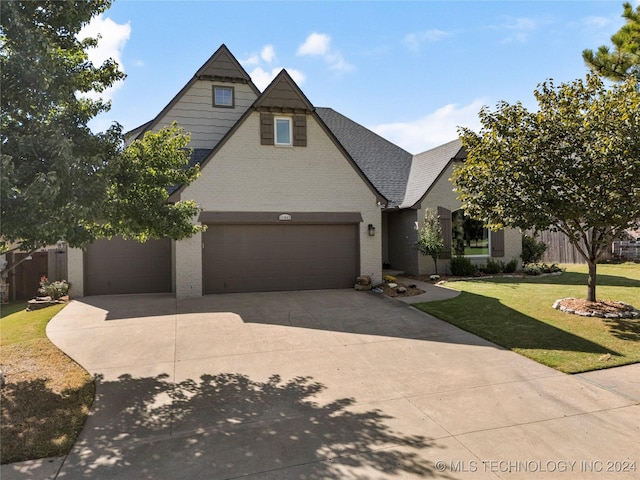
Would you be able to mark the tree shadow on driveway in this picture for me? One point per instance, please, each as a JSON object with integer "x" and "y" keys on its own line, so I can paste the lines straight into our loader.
{"x": 229, "y": 425}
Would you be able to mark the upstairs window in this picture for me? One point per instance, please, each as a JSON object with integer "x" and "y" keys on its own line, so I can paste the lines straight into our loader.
{"x": 223, "y": 97}
{"x": 283, "y": 131}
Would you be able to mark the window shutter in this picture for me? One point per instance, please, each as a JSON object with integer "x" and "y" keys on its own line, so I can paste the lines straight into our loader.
{"x": 497, "y": 243}
{"x": 445, "y": 223}
{"x": 266, "y": 129}
{"x": 300, "y": 131}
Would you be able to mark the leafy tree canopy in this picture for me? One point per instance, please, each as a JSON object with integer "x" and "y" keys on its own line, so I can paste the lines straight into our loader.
{"x": 61, "y": 181}
{"x": 573, "y": 166}
{"x": 624, "y": 59}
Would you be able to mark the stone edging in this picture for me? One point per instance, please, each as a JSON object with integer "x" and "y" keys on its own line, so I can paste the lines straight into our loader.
{"x": 633, "y": 313}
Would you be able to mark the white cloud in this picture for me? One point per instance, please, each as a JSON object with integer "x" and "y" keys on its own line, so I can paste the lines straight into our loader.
{"x": 262, "y": 78}
{"x": 434, "y": 129}
{"x": 415, "y": 40}
{"x": 268, "y": 53}
{"x": 597, "y": 22}
{"x": 251, "y": 61}
{"x": 319, "y": 44}
{"x": 519, "y": 29}
{"x": 112, "y": 38}
{"x": 315, "y": 44}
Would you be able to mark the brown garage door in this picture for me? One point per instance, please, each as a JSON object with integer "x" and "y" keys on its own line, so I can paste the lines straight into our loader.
{"x": 259, "y": 258}
{"x": 126, "y": 266}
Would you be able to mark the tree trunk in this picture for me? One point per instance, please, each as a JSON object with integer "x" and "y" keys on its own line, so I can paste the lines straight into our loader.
{"x": 591, "y": 281}
{"x": 435, "y": 262}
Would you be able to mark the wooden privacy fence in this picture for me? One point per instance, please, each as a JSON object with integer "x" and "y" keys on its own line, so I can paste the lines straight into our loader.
{"x": 559, "y": 250}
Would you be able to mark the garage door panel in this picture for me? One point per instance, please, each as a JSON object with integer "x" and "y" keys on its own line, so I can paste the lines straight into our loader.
{"x": 246, "y": 258}
{"x": 120, "y": 266}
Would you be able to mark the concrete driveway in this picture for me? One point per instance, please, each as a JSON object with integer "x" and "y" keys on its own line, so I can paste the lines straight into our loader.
{"x": 327, "y": 384}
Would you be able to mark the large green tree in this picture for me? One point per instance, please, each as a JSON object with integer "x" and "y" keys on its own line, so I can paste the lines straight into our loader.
{"x": 624, "y": 59}
{"x": 573, "y": 166}
{"x": 60, "y": 180}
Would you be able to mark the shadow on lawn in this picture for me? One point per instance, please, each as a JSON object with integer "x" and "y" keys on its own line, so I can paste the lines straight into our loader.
{"x": 39, "y": 422}
{"x": 624, "y": 328}
{"x": 490, "y": 319}
{"x": 228, "y": 425}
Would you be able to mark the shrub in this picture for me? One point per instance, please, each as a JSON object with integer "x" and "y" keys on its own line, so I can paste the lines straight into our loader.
{"x": 511, "y": 266}
{"x": 539, "y": 268}
{"x": 492, "y": 267}
{"x": 532, "y": 250}
{"x": 532, "y": 269}
{"x": 55, "y": 290}
{"x": 462, "y": 267}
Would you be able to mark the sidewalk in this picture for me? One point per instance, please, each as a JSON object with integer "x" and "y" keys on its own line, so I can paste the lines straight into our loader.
{"x": 431, "y": 292}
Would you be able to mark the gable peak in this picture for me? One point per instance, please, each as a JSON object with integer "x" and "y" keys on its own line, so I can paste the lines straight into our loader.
{"x": 223, "y": 66}
{"x": 283, "y": 94}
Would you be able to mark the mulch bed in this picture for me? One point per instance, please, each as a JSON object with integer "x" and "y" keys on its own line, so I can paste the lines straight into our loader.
{"x": 393, "y": 292}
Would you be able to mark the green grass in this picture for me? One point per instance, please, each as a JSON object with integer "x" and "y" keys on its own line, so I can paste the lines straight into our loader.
{"x": 516, "y": 313}
{"x": 47, "y": 396}
{"x": 18, "y": 325}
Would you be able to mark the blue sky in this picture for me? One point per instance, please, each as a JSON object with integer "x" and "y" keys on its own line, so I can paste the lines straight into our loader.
{"x": 410, "y": 70}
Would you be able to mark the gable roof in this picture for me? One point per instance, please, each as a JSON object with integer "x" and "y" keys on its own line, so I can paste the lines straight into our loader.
{"x": 385, "y": 164}
{"x": 221, "y": 66}
{"x": 427, "y": 167}
{"x": 283, "y": 94}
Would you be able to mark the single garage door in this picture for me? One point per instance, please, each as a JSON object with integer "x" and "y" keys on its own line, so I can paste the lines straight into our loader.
{"x": 260, "y": 258}
{"x": 126, "y": 266}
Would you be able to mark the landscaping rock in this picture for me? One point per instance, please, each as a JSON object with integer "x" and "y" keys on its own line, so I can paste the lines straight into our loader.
{"x": 401, "y": 290}
{"x": 363, "y": 283}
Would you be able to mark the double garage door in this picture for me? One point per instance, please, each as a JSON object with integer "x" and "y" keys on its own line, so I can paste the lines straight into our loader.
{"x": 126, "y": 266}
{"x": 236, "y": 258}
{"x": 274, "y": 257}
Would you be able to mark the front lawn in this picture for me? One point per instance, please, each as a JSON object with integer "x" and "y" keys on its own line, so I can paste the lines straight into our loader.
{"x": 517, "y": 313}
{"x": 47, "y": 396}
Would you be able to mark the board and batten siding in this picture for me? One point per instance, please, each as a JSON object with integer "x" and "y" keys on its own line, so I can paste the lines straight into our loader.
{"x": 247, "y": 176}
{"x": 195, "y": 113}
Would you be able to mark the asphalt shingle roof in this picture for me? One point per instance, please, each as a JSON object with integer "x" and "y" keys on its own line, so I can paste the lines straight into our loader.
{"x": 385, "y": 164}
{"x": 425, "y": 170}
{"x": 197, "y": 156}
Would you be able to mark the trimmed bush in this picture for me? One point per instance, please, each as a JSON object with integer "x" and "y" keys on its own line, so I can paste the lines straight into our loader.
{"x": 462, "y": 267}
{"x": 492, "y": 267}
{"x": 511, "y": 266}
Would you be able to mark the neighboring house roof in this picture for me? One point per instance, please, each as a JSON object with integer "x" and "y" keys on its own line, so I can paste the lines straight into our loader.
{"x": 385, "y": 164}
{"x": 427, "y": 167}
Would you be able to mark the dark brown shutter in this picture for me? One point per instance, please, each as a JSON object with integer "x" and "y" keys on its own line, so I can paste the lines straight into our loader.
{"x": 445, "y": 223}
{"x": 300, "y": 131}
{"x": 266, "y": 129}
{"x": 497, "y": 243}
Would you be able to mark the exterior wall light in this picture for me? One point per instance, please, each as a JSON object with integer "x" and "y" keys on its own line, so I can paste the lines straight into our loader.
{"x": 372, "y": 230}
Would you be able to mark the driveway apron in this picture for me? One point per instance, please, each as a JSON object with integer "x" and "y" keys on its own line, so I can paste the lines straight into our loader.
{"x": 328, "y": 384}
